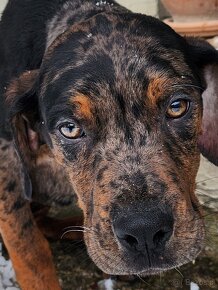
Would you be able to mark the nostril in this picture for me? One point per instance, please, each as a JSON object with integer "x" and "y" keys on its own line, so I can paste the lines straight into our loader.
{"x": 129, "y": 241}
{"x": 132, "y": 241}
{"x": 158, "y": 237}
{"x": 144, "y": 232}
{"x": 161, "y": 237}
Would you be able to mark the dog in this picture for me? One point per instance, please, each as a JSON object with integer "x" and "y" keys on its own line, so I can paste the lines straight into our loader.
{"x": 116, "y": 107}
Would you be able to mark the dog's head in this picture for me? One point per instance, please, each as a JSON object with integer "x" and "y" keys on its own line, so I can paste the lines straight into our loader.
{"x": 118, "y": 101}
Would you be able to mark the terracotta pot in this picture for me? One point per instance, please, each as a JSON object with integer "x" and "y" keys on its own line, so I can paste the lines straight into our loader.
{"x": 193, "y": 17}
{"x": 192, "y": 10}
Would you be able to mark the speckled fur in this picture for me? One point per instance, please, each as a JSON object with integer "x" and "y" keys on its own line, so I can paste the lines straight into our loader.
{"x": 114, "y": 74}
{"x": 22, "y": 237}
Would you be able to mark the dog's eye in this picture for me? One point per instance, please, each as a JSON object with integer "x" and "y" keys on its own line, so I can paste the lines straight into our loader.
{"x": 71, "y": 131}
{"x": 177, "y": 108}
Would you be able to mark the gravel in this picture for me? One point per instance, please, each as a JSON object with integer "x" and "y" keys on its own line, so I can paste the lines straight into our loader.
{"x": 7, "y": 274}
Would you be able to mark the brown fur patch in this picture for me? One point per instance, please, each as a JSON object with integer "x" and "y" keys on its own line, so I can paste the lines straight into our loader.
{"x": 156, "y": 88}
{"x": 83, "y": 105}
{"x": 20, "y": 85}
{"x": 28, "y": 249}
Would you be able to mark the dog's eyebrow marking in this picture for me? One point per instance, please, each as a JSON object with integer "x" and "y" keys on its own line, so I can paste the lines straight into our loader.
{"x": 156, "y": 88}
{"x": 83, "y": 105}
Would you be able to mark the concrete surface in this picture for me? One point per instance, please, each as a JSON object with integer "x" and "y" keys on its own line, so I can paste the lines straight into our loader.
{"x": 143, "y": 6}
{"x": 2, "y": 4}
{"x": 149, "y": 7}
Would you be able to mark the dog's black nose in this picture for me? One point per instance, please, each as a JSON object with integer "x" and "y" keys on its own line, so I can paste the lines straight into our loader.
{"x": 143, "y": 231}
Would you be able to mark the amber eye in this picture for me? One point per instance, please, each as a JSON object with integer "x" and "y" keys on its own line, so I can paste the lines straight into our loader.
{"x": 71, "y": 131}
{"x": 178, "y": 108}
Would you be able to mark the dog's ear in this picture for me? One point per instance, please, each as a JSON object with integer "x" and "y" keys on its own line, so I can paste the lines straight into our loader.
{"x": 23, "y": 116}
{"x": 205, "y": 58}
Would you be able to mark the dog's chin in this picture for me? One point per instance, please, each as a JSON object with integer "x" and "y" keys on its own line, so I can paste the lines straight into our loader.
{"x": 122, "y": 263}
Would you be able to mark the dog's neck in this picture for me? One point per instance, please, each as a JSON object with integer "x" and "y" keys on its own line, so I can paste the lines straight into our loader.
{"x": 75, "y": 11}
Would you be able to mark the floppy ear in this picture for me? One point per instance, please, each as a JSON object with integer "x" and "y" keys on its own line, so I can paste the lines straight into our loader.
{"x": 23, "y": 117}
{"x": 206, "y": 60}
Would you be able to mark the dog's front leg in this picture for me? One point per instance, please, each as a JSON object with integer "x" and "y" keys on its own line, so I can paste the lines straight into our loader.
{"x": 28, "y": 249}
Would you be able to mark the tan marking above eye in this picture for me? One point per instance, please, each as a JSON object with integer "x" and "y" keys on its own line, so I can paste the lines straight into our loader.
{"x": 71, "y": 131}
{"x": 83, "y": 105}
{"x": 156, "y": 89}
{"x": 177, "y": 108}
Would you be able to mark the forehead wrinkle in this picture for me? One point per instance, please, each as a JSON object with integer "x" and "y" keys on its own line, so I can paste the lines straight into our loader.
{"x": 82, "y": 105}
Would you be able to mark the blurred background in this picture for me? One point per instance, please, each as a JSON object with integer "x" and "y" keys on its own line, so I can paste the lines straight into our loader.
{"x": 143, "y": 6}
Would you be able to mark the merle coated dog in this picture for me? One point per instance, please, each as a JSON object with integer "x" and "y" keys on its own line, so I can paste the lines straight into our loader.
{"x": 116, "y": 107}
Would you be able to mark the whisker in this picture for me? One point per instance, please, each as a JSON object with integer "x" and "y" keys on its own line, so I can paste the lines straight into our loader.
{"x": 69, "y": 231}
{"x": 140, "y": 278}
{"x": 180, "y": 273}
{"x": 82, "y": 227}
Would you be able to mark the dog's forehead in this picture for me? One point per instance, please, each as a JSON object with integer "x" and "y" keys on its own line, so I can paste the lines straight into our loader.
{"x": 114, "y": 54}
{"x": 127, "y": 36}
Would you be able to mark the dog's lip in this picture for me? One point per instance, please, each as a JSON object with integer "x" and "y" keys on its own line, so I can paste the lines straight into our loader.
{"x": 153, "y": 270}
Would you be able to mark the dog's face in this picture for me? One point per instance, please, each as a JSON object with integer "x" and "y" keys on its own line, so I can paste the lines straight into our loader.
{"x": 119, "y": 104}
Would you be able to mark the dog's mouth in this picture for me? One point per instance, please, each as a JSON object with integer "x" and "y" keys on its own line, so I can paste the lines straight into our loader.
{"x": 183, "y": 246}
